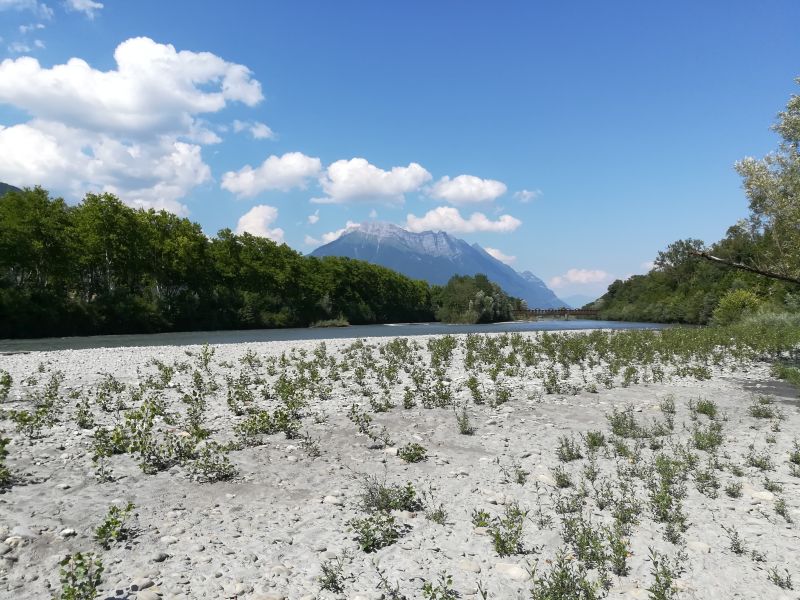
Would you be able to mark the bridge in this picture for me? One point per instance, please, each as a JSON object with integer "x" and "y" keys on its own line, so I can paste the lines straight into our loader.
{"x": 535, "y": 313}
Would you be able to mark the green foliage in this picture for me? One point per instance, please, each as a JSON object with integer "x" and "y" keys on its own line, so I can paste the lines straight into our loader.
{"x": 506, "y": 531}
{"x": 114, "y": 526}
{"x": 441, "y": 591}
{"x": 413, "y": 453}
{"x": 568, "y": 449}
{"x": 480, "y": 518}
{"x": 567, "y": 579}
{"x": 472, "y": 299}
{"x": 332, "y": 577}
{"x": 375, "y": 531}
{"x": 6, "y": 382}
{"x": 734, "y": 305}
{"x": 664, "y": 571}
{"x": 5, "y": 473}
{"x": 212, "y": 464}
{"x": 377, "y": 496}
{"x": 103, "y": 267}
{"x": 81, "y": 576}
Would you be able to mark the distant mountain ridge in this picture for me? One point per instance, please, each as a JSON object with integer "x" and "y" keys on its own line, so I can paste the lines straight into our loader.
{"x": 435, "y": 256}
{"x": 7, "y": 187}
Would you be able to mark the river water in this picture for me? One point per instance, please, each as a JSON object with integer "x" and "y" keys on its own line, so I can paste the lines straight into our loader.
{"x": 269, "y": 335}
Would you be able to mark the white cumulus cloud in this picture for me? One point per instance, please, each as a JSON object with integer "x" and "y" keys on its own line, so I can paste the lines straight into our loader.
{"x": 87, "y": 7}
{"x": 257, "y": 221}
{"x": 579, "y": 277}
{"x": 259, "y": 131}
{"x": 314, "y": 217}
{"x": 38, "y": 8}
{"x": 500, "y": 256}
{"x": 154, "y": 89}
{"x": 447, "y": 218}
{"x": 331, "y": 236}
{"x": 466, "y": 189}
{"x": 135, "y": 130}
{"x": 358, "y": 180}
{"x": 526, "y": 196}
{"x": 292, "y": 170}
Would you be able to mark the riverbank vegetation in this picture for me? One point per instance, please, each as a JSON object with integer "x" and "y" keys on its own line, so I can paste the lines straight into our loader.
{"x": 101, "y": 267}
{"x": 685, "y": 286}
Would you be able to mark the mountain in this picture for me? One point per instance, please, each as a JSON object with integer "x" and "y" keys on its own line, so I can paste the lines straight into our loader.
{"x": 435, "y": 257}
{"x": 5, "y": 188}
{"x": 578, "y": 300}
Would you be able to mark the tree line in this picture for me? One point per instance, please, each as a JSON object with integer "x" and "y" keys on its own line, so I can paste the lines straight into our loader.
{"x": 756, "y": 266}
{"x": 102, "y": 267}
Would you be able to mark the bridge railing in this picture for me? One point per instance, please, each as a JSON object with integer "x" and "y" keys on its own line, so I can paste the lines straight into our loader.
{"x": 555, "y": 312}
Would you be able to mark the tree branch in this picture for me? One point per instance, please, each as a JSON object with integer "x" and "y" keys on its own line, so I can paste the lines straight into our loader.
{"x": 742, "y": 267}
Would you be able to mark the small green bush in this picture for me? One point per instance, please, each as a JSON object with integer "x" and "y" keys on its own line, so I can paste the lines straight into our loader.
{"x": 413, "y": 453}
{"x": 734, "y": 306}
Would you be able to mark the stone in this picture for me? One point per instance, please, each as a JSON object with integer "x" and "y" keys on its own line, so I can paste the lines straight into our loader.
{"x": 699, "y": 547}
{"x": 469, "y": 565}
{"x": 142, "y": 583}
{"x": 335, "y": 500}
{"x": 160, "y": 557}
{"x": 68, "y": 532}
{"x": 512, "y": 571}
{"x": 149, "y": 594}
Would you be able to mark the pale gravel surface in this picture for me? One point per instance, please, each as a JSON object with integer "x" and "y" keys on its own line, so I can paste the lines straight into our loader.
{"x": 265, "y": 534}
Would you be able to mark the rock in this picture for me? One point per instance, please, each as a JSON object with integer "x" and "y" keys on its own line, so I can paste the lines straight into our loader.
{"x": 512, "y": 571}
{"x": 765, "y": 496}
{"x": 142, "y": 583}
{"x": 335, "y": 500}
{"x": 269, "y": 596}
{"x": 24, "y": 532}
{"x": 699, "y": 547}
{"x": 169, "y": 540}
{"x": 68, "y": 532}
{"x": 546, "y": 478}
{"x": 149, "y": 594}
{"x": 469, "y": 565}
{"x": 280, "y": 570}
{"x": 160, "y": 557}
{"x": 4, "y": 549}
{"x": 390, "y": 451}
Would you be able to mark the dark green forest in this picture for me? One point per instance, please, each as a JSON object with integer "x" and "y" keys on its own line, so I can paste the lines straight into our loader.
{"x": 684, "y": 287}
{"x": 102, "y": 267}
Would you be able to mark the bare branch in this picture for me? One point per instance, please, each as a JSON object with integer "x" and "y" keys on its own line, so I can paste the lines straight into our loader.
{"x": 743, "y": 267}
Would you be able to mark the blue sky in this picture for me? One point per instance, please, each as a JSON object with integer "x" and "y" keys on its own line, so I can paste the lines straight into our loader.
{"x": 590, "y": 135}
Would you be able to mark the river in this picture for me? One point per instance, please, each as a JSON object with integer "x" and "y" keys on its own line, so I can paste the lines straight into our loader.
{"x": 186, "y": 338}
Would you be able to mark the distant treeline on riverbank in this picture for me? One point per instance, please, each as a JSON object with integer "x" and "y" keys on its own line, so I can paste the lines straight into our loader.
{"x": 101, "y": 267}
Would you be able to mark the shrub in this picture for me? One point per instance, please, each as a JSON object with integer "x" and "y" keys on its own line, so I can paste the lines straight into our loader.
{"x": 6, "y": 382}
{"x": 735, "y": 305}
{"x": 480, "y": 518}
{"x": 568, "y": 449}
{"x": 5, "y": 474}
{"x": 377, "y": 496}
{"x": 441, "y": 591}
{"x": 567, "y": 579}
{"x": 212, "y": 464}
{"x": 413, "y": 453}
{"x": 80, "y": 575}
{"x": 506, "y": 532}
{"x": 114, "y": 526}
{"x": 375, "y": 531}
